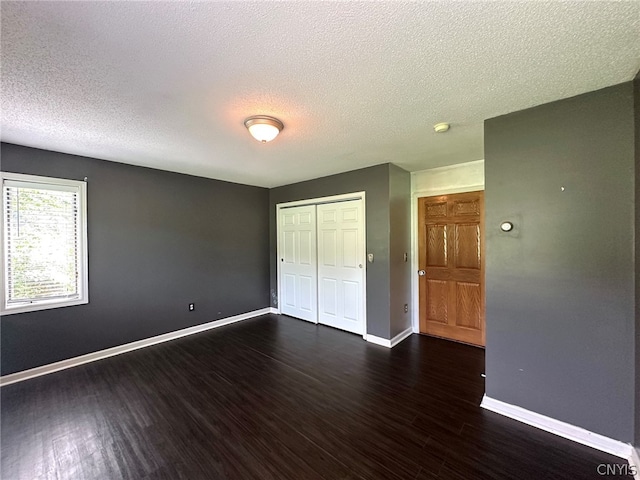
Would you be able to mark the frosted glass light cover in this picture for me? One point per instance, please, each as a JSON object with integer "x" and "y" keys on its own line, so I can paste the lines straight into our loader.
{"x": 263, "y": 132}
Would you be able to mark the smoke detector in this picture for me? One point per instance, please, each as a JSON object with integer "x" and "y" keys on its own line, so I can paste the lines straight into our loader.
{"x": 441, "y": 127}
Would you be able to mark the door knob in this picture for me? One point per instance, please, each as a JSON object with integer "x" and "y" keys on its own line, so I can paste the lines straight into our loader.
{"x": 360, "y": 265}
{"x": 422, "y": 273}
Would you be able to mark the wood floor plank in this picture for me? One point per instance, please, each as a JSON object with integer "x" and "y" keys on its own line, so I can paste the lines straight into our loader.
{"x": 276, "y": 398}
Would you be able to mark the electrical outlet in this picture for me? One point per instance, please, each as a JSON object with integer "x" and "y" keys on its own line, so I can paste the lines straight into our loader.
{"x": 192, "y": 307}
{"x": 406, "y": 308}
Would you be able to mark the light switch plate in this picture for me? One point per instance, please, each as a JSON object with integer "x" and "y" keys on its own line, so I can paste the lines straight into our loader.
{"x": 370, "y": 257}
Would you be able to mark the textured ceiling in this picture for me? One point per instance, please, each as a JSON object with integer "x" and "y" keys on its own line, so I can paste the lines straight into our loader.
{"x": 168, "y": 85}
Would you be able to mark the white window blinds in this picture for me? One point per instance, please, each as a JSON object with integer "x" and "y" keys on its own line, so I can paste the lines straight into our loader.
{"x": 43, "y": 243}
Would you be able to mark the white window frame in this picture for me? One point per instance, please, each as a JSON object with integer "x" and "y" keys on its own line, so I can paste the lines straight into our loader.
{"x": 83, "y": 267}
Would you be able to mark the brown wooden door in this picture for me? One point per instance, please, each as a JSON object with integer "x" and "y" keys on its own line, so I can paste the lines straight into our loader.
{"x": 451, "y": 243}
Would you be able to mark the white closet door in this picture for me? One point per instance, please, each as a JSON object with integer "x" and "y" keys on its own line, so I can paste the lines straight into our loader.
{"x": 298, "y": 265}
{"x": 341, "y": 270}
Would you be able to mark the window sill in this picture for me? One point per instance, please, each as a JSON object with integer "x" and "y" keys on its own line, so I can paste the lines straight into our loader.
{"x": 36, "y": 306}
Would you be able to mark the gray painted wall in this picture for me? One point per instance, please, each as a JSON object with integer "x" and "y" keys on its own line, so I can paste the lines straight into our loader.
{"x": 375, "y": 182}
{"x": 157, "y": 241}
{"x": 560, "y": 286}
{"x": 636, "y": 96}
{"x": 400, "y": 243}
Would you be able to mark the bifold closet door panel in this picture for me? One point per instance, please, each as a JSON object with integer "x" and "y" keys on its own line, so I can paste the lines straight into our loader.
{"x": 298, "y": 262}
{"x": 341, "y": 258}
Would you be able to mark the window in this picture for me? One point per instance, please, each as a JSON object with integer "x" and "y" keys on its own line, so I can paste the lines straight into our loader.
{"x": 44, "y": 243}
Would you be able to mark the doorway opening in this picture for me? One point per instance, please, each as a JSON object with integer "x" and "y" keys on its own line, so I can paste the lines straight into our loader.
{"x": 321, "y": 261}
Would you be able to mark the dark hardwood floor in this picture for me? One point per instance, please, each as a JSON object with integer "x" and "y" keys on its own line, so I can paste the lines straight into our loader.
{"x": 277, "y": 398}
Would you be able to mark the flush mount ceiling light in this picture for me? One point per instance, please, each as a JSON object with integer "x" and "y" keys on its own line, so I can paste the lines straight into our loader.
{"x": 441, "y": 127}
{"x": 263, "y": 128}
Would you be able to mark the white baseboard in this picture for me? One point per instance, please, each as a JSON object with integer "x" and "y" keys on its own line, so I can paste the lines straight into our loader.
{"x": 389, "y": 343}
{"x": 557, "y": 427}
{"x": 401, "y": 336}
{"x": 274, "y": 310}
{"x": 634, "y": 461}
{"x": 127, "y": 347}
{"x": 383, "y": 342}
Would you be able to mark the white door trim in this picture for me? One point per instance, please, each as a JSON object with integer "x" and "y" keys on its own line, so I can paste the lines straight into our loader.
{"x": 330, "y": 199}
{"x": 319, "y": 200}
